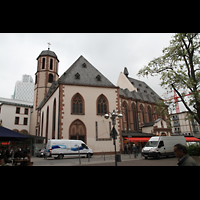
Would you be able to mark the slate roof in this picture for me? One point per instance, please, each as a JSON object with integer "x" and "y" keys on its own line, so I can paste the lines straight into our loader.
{"x": 151, "y": 123}
{"x": 144, "y": 92}
{"x": 48, "y": 53}
{"x": 81, "y": 72}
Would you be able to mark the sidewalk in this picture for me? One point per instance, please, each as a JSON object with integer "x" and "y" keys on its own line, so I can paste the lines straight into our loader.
{"x": 110, "y": 160}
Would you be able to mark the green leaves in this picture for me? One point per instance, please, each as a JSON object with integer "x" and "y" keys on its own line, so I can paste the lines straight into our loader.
{"x": 179, "y": 67}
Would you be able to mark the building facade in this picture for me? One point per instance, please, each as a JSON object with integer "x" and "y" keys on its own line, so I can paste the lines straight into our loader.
{"x": 24, "y": 90}
{"x": 138, "y": 102}
{"x": 16, "y": 115}
{"x": 183, "y": 126}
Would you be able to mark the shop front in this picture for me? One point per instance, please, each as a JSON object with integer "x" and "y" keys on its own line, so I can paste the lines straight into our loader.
{"x": 137, "y": 138}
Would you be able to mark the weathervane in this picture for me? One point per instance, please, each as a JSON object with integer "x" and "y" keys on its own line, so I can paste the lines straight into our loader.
{"x": 49, "y": 45}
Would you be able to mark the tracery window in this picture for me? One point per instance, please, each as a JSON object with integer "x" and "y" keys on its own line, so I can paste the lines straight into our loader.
{"x": 102, "y": 105}
{"x": 77, "y": 104}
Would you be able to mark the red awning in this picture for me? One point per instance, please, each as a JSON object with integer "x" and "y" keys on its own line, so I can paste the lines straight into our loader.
{"x": 192, "y": 139}
{"x": 138, "y": 139}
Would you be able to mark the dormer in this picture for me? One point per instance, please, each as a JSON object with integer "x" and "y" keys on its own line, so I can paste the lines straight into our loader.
{"x": 98, "y": 78}
{"x": 77, "y": 76}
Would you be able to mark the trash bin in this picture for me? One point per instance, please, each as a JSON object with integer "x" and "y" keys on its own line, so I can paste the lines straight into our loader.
{"x": 118, "y": 158}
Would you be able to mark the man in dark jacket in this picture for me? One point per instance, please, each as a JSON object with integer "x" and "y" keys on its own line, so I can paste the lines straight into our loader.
{"x": 184, "y": 159}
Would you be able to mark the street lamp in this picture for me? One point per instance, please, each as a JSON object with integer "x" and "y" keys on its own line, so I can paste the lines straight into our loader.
{"x": 114, "y": 132}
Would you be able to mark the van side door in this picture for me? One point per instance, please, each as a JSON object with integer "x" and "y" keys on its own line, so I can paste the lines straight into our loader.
{"x": 162, "y": 148}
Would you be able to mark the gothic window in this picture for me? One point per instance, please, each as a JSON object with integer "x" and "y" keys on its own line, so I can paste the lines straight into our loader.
{"x": 125, "y": 108}
{"x": 149, "y": 113}
{"x": 43, "y": 63}
{"x": 142, "y": 111}
{"x": 54, "y": 119}
{"x": 50, "y": 78}
{"x": 77, "y": 104}
{"x": 135, "y": 118}
{"x": 47, "y": 123}
{"x": 51, "y": 64}
{"x": 102, "y": 105}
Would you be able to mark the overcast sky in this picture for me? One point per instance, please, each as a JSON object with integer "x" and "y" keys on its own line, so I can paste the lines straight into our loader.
{"x": 108, "y": 52}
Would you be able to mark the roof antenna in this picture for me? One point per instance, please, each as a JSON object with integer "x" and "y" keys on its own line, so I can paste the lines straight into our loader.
{"x": 49, "y": 45}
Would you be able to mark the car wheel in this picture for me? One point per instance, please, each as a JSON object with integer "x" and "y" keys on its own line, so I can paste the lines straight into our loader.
{"x": 60, "y": 156}
{"x": 158, "y": 156}
{"x": 88, "y": 155}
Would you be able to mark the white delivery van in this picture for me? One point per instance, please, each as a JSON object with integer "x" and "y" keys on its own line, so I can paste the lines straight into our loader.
{"x": 65, "y": 148}
{"x": 162, "y": 146}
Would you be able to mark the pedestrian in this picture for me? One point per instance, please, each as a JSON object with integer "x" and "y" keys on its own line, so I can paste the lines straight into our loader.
{"x": 134, "y": 148}
{"x": 125, "y": 149}
{"x": 27, "y": 157}
{"x": 184, "y": 159}
{"x": 18, "y": 154}
{"x": 2, "y": 162}
{"x": 129, "y": 149}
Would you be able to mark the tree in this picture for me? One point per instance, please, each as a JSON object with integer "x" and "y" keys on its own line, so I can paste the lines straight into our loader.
{"x": 179, "y": 67}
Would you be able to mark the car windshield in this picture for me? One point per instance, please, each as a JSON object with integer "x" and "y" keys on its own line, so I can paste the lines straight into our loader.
{"x": 151, "y": 144}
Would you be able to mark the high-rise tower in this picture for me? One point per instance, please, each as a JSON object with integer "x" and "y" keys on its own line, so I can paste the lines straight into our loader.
{"x": 47, "y": 72}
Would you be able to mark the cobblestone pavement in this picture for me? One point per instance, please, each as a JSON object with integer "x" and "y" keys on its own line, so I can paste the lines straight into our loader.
{"x": 98, "y": 160}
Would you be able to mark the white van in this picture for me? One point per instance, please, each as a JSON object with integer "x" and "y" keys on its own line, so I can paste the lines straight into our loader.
{"x": 162, "y": 146}
{"x": 65, "y": 148}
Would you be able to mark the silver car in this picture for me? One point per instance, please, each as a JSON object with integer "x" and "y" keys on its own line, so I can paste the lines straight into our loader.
{"x": 40, "y": 153}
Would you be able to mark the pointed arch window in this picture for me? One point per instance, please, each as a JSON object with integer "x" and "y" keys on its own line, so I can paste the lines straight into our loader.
{"x": 102, "y": 105}
{"x": 50, "y": 78}
{"x": 149, "y": 113}
{"x": 51, "y": 64}
{"x": 142, "y": 112}
{"x": 135, "y": 117}
{"x": 125, "y": 109}
{"x": 43, "y": 63}
{"x": 78, "y": 107}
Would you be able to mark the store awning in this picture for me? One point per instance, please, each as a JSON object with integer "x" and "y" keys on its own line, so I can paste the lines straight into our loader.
{"x": 137, "y": 139}
{"x": 9, "y": 135}
{"x": 192, "y": 139}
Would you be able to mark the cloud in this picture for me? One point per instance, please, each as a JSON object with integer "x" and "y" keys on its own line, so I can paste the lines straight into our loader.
{"x": 108, "y": 52}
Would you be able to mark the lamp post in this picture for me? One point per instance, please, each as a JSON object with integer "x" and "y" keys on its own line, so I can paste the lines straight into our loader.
{"x": 114, "y": 132}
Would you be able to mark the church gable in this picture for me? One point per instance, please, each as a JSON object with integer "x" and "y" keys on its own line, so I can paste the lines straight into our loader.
{"x": 84, "y": 73}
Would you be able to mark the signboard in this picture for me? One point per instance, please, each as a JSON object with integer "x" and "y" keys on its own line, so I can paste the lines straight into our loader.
{"x": 114, "y": 133}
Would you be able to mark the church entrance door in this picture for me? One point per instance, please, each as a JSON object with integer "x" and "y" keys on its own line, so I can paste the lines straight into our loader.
{"x": 77, "y": 131}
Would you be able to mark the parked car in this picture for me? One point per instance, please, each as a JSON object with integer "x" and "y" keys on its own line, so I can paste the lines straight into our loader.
{"x": 40, "y": 153}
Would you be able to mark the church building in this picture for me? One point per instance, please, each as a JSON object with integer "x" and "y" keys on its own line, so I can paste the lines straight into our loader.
{"x": 73, "y": 106}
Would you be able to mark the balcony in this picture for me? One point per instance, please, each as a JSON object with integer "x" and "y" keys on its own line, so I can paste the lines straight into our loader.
{"x": 176, "y": 124}
{"x": 175, "y": 117}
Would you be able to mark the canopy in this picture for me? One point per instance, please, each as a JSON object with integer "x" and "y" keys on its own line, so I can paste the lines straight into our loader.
{"x": 9, "y": 135}
{"x": 192, "y": 139}
{"x": 138, "y": 139}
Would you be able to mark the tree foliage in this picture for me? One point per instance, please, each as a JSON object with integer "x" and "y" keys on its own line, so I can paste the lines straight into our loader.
{"x": 179, "y": 67}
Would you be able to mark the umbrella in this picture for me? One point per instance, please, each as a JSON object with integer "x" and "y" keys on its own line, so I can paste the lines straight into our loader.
{"x": 9, "y": 135}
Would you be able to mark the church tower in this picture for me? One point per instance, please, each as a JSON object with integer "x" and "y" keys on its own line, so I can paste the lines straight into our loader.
{"x": 47, "y": 72}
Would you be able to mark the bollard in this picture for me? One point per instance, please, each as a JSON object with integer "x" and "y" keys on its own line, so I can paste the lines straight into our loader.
{"x": 79, "y": 156}
{"x": 89, "y": 158}
{"x": 104, "y": 156}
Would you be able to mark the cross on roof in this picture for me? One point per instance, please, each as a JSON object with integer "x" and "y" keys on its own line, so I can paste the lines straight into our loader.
{"x": 49, "y": 45}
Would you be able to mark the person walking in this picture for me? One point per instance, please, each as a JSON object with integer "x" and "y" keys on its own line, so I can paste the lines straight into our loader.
{"x": 134, "y": 148}
{"x": 184, "y": 159}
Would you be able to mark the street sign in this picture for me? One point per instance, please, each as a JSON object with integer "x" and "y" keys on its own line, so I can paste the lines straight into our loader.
{"x": 113, "y": 132}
